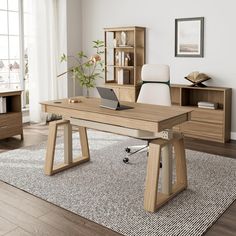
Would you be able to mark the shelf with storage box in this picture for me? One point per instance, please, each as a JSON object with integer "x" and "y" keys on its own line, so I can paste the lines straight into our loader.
{"x": 124, "y": 58}
{"x": 11, "y": 114}
{"x": 205, "y": 123}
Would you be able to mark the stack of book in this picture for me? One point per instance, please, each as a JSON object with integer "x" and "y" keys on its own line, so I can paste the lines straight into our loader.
{"x": 208, "y": 105}
{"x": 123, "y": 76}
{"x": 121, "y": 58}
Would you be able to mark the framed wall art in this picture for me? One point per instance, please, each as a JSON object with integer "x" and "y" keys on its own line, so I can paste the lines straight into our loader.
{"x": 189, "y": 37}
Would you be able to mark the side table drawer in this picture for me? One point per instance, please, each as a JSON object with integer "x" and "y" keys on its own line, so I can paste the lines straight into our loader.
{"x": 11, "y": 119}
{"x": 8, "y": 131}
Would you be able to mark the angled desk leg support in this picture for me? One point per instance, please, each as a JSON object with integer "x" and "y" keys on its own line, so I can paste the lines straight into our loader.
{"x": 69, "y": 162}
{"x": 154, "y": 199}
{"x": 167, "y": 169}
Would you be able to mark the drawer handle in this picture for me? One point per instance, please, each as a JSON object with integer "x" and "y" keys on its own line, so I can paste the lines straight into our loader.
{"x": 3, "y": 127}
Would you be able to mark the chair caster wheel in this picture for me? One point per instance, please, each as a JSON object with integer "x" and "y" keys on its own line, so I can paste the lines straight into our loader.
{"x": 160, "y": 165}
{"x": 126, "y": 160}
{"x": 127, "y": 150}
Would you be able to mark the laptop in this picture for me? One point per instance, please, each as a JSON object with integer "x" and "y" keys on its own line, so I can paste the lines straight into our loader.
{"x": 109, "y": 99}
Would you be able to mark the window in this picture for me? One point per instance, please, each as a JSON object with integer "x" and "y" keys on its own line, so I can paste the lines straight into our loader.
{"x": 13, "y": 50}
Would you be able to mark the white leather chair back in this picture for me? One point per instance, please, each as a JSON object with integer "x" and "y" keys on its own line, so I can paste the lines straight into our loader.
{"x": 155, "y": 89}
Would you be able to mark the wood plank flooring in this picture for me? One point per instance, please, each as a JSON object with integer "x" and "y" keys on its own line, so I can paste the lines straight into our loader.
{"x": 22, "y": 214}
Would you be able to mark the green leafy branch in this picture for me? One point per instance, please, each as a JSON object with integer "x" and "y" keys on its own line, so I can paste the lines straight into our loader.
{"x": 87, "y": 69}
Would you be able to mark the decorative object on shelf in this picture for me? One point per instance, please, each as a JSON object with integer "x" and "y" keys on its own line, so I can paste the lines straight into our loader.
{"x": 87, "y": 69}
{"x": 197, "y": 78}
{"x": 208, "y": 105}
{"x": 123, "y": 39}
{"x": 189, "y": 37}
{"x": 127, "y": 59}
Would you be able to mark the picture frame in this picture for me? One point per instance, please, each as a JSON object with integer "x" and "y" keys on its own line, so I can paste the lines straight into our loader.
{"x": 189, "y": 37}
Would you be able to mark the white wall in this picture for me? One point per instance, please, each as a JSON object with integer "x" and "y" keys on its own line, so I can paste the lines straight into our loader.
{"x": 70, "y": 42}
{"x": 158, "y": 17}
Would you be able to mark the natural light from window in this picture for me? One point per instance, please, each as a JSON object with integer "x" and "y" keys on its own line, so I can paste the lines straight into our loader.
{"x": 13, "y": 46}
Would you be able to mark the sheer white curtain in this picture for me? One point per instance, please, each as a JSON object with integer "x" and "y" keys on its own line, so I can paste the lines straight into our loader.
{"x": 43, "y": 55}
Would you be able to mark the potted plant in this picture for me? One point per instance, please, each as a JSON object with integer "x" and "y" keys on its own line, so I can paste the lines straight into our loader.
{"x": 88, "y": 69}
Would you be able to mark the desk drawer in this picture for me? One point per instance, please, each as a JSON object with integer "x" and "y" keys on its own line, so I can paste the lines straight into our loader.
{"x": 207, "y": 131}
{"x": 207, "y": 115}
{"x": 11, "y": 119}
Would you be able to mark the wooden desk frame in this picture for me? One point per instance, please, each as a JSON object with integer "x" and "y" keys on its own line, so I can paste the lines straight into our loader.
{"x": 151, "y": 118}
{"x": 158, "y": 148}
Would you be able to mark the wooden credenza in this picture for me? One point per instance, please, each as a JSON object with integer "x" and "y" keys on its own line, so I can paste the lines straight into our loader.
{"x": 207, "y": 124}
{"x": 11, "y": 121}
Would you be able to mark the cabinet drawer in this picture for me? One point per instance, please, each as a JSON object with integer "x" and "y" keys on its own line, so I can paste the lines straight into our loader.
{"x": 8, "y": 131}
{"x": 207, "y": 131}
{"x": 207, "y": 115}
{"x": 11, "y": 119}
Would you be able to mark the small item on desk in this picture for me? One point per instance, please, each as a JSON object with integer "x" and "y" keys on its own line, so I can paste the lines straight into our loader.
{"x": 208, "y": 105}
{"x": 74, "y": 100}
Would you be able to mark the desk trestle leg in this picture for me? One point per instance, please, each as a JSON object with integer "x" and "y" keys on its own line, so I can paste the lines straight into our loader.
{"x": 69, "y": 162}
{"x": 153, "y": 199}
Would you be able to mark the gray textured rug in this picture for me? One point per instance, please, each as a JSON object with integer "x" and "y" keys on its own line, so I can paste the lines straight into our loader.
{"x": 111, "y": 193}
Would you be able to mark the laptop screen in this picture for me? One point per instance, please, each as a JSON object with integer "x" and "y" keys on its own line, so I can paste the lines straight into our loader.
{"x": 107, "y": 93}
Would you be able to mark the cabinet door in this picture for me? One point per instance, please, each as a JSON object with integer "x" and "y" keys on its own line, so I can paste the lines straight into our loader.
{"x": 127, "y": 95}
{"x": 202, "y": 130}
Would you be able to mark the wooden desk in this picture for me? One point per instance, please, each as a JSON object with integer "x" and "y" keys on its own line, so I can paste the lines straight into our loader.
{"x": 145, "y": 117}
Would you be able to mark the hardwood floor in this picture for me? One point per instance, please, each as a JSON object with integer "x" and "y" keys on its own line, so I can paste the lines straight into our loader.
{"x": 22, "y": 214}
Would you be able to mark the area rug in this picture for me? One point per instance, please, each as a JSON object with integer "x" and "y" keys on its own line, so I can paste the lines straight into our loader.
{"x": 110, "y": 193}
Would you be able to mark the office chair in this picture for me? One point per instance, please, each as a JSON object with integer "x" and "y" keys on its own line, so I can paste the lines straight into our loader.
{"x": 154, "y": 90}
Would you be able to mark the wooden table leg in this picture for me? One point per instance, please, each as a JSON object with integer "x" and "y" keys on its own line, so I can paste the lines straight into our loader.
{"x": 48, "y": 167}
{"x": 69, "y": 162}
{"x": 167, "y": 169}
{"x": 153, "y": 199}
{"x": 181, "y": 167}
{"x": 152, "y": 177}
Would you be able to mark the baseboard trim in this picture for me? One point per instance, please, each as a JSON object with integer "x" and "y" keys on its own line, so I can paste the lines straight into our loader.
{"x": 233, "y": 135}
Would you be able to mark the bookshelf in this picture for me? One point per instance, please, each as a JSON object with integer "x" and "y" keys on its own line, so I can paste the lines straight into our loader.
{"x": 207, "y": 124}
{"x": 124, "y": 58}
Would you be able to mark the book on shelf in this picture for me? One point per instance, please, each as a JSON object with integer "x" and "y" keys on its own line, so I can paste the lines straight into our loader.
{"x": 209, "y": 105}
{"x": 123, "y": 76}
{"x": 124, "y": 59}
{"x": 213, "y": 108}
{"x": 120, "y": 58}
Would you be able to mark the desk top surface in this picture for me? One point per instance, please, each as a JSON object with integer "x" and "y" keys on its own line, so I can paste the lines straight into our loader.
{"x": 158, "y": 117}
